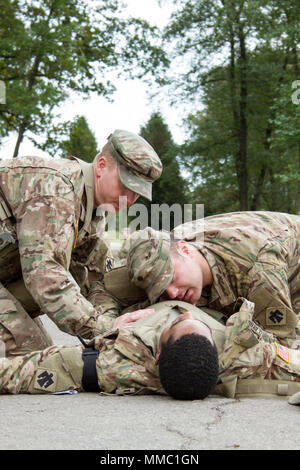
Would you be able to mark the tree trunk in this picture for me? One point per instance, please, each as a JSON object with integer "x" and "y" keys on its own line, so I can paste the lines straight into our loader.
{"x": 242, "y": 153}
{"x": 24, "y": 123}
{"x": 31, "y": 80}
{"x": 232, "y": 81}
{"x": 21, "y": 133}
{"x": 239, "y": 111}
{"x": 258, "y": 188}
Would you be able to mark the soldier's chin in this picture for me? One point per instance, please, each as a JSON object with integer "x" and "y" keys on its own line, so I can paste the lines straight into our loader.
{"x": 195, "y": 296}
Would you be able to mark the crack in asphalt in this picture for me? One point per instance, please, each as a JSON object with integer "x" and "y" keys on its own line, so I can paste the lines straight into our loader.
{"x": 187, "y": 439}
{"x": 184, "y": 436}
{"x": 220, "y": 413}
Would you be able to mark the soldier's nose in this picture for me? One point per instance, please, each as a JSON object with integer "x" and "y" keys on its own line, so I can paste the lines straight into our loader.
{"x": 172, "y": 292}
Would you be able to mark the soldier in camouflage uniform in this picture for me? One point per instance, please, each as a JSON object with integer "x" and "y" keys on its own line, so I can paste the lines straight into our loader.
{"x": 49, "y": 227}
{"x": 214, "y": 261}
{"x": 251, "y": 361}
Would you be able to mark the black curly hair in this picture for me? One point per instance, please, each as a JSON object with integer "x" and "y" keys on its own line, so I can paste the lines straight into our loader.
{"x": 188, "y": 367}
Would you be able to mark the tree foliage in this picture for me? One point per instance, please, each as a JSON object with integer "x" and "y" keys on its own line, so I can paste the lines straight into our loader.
{"x": 241, "y": 59}
{"x": 49, "y": 48}
{"x": 235, "y": 61}
{"x": 170, "y": 187}
{"x": 81, "y": 142}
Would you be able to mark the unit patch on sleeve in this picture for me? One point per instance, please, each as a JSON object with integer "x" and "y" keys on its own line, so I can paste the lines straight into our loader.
{"x": 108, "y": 265}
{"x": 45, "y": 380}
{"x": 276, "y": 316}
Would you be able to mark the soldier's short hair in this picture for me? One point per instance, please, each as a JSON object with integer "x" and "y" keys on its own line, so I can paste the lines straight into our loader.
{"x": 106, "y": 153}
{"x": 188, "y": 367}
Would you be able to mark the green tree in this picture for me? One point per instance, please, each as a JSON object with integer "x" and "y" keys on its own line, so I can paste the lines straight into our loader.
{"x": 209, "y": 152}
{"x": 170, "y": 187}
{"x": 285, "y": 142}
{"x": 230, "y": 139}
{"x": 283, "y": 27}
{"x": 201, "y": 30}
{"x": 82, "y": 142}
{"x": 52, "y": 47}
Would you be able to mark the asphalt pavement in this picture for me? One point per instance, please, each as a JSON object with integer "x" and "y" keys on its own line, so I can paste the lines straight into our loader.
{"x": 87, "y": 421}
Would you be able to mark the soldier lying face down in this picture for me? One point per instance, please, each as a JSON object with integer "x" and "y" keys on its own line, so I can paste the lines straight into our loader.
{"x": 178, "y": 349}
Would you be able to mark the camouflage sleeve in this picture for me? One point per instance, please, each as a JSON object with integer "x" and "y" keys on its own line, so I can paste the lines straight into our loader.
{"x": 54, "y": 369}
{"x": 17, "y": 374}
{"x": 126, "y": 365}
{"x": 250, "y": 352}
{"x": 106, "y": 305}
{"x": 46, "y": 227}
{"x": 269, "y": 290}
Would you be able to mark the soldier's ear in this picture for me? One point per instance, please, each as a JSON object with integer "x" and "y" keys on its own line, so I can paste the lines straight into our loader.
{"x": 184, "y": 248}
{"x": 100, "y": 165}
{"x": 157, "y": 358}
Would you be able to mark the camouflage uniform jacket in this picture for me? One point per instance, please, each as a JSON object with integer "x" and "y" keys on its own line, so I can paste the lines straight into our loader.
{"x": 254, "y": 255}
{"x": 249, "y": 352}
{"x": 113, "y": 295}
{"x": 126, "y": 363}
{"x": 52, "y": 219}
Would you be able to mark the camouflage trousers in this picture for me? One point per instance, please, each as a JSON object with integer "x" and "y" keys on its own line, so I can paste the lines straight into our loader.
{"x": 19, "y": 332}
{"x": 56, "y": 368}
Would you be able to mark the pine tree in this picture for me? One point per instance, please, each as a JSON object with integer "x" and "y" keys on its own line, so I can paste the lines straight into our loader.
{"x": 82, "y": 142}
{"x": 170, "y": 187}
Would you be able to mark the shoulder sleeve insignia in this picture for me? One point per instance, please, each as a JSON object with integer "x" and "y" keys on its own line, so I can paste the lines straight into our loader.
{"x": 45, "y": 380}
{"x": 108, "y": 264}
{"x": 276, "y": 316}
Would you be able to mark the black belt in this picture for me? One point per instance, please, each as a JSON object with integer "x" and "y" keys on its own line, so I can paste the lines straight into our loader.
{"x": 89, "y": 374}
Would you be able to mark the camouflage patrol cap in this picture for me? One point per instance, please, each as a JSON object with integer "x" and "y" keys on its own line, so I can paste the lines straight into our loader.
{"x": 138, "y": 163}
{"x": 149, "y": 263}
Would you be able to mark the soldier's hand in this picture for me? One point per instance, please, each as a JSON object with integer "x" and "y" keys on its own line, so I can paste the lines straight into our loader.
{"x": 130, "y": 317}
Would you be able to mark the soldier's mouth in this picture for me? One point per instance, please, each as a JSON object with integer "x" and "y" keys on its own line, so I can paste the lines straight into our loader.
{"x": 186, "y": 295}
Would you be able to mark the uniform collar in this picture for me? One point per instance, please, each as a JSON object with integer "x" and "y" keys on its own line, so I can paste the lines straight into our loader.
{"x": 88, "y": 177}
{"x": 221, "y": 288}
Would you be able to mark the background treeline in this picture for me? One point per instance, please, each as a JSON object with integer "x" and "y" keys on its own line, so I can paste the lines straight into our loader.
{"x": 234, "y": 63}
